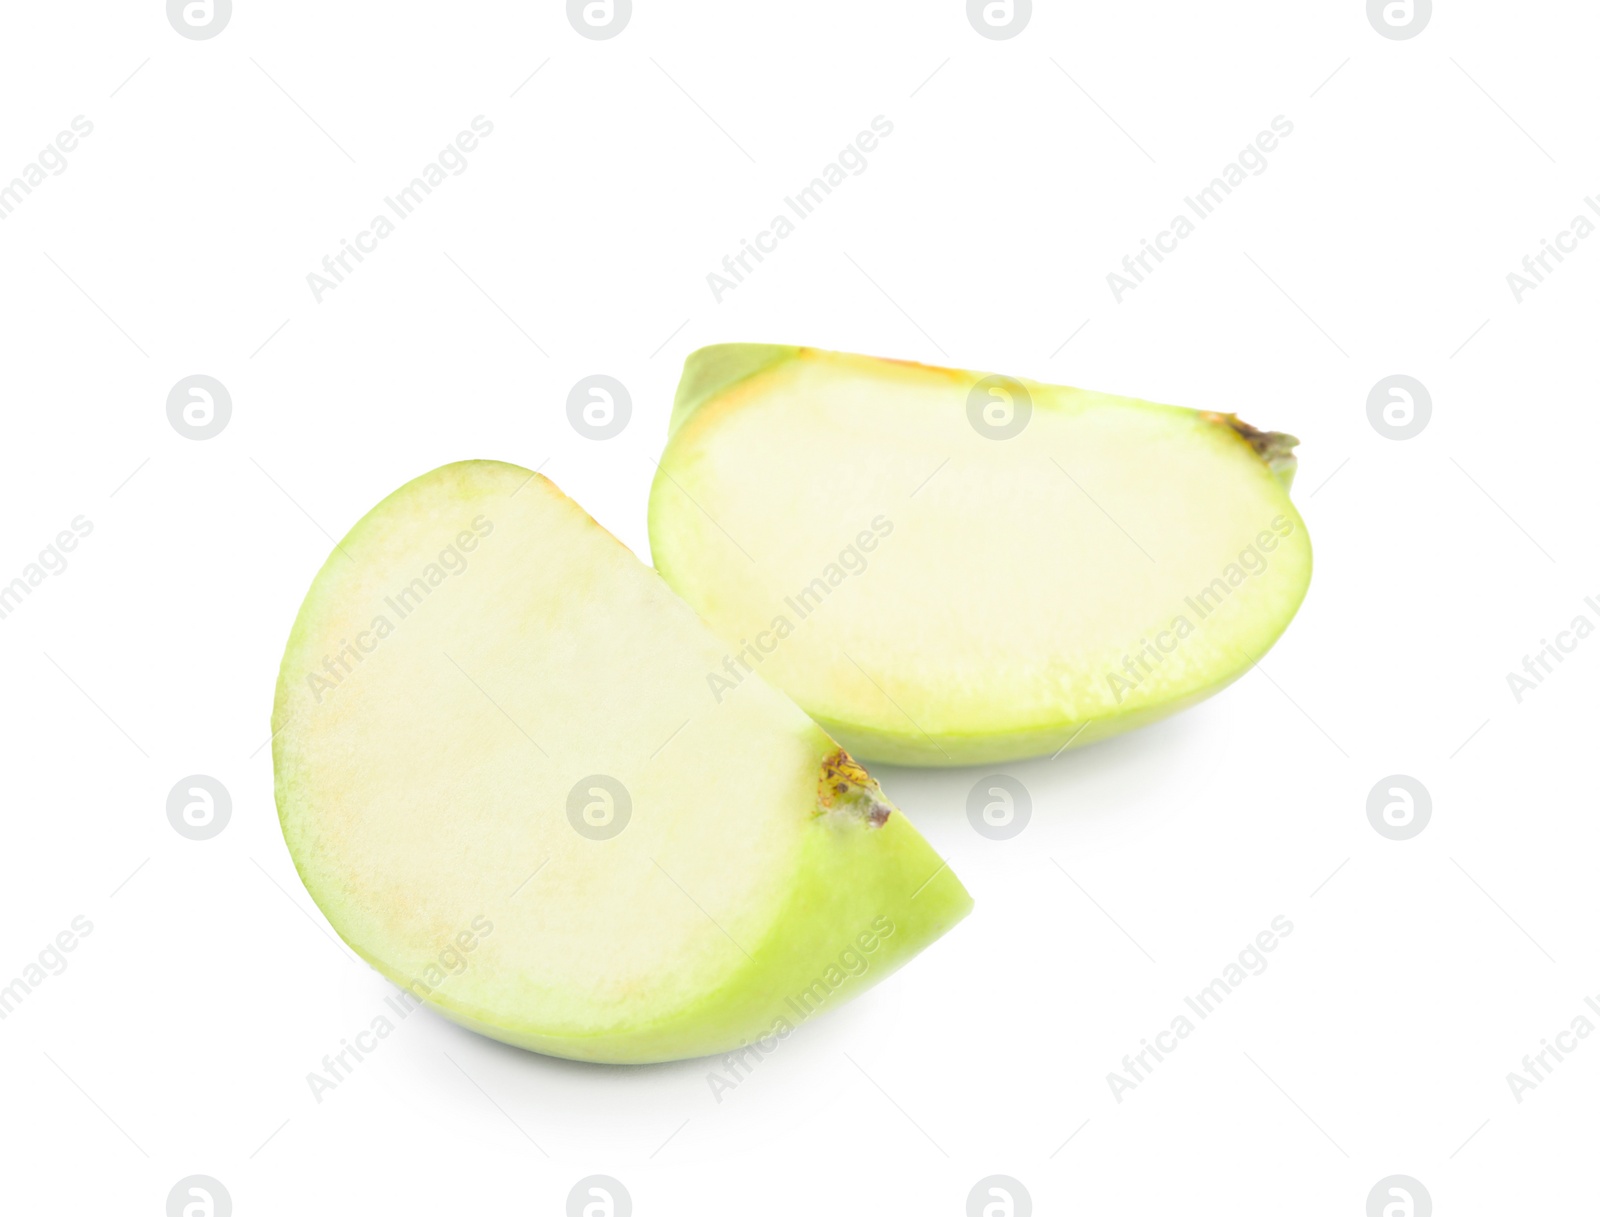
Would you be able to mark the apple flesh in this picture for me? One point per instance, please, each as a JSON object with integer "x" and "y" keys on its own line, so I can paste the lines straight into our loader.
{"x": 947, "y": 572}
{"x": 503, "y": 776}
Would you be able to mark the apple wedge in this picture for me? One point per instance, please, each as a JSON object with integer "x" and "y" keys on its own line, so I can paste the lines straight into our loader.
{"x": 503, "y": 777}
{"x": 946, "y": 568}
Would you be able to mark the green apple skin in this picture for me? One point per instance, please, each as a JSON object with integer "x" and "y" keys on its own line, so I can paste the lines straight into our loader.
{"x": 840, "y": 901}
{"x": 777, "y": 454}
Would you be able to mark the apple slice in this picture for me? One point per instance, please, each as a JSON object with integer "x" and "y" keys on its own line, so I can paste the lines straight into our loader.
{"x": 503, "y": 776}
{"x": 947, "y": 569}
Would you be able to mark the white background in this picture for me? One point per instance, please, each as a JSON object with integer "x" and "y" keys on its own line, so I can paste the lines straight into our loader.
{"x": 1019, "y": 173}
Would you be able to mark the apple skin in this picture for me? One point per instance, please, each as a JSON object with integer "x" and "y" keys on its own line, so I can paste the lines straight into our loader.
{"x": 892, "y": 895}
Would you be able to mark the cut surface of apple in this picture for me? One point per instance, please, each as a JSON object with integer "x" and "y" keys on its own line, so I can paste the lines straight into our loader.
{"x": 502, "y": 775}
{"x": 944, "y": 568}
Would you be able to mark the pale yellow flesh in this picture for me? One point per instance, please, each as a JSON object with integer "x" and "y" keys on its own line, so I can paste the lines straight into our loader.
{"x": 423, "y": 789}
{"x": 1017, "y": 594}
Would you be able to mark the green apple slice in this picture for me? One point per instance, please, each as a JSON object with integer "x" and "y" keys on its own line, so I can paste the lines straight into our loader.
{"x": 946, "y": 569}
{"x": 503, "y": 776}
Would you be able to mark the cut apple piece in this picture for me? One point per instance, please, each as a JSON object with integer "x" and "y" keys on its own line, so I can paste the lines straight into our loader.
{"x": 503, "y": 776}
{"x": 944, "y": 568}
